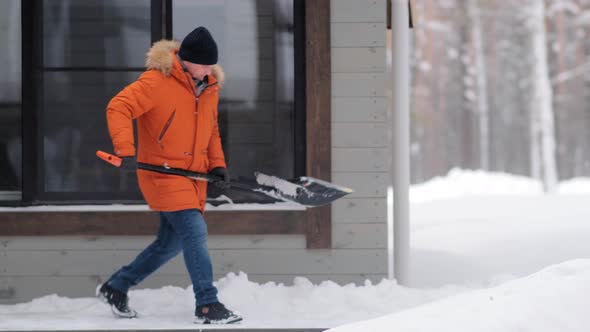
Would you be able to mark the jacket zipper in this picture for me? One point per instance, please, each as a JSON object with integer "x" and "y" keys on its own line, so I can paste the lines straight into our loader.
{"x": 166, "y": 126}
{"x": 205, "y": 89}
{"x": 197, "y": 113}
{"x": 196, "y": 105}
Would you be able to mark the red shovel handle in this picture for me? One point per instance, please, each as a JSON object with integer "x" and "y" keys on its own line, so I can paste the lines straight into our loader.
{"x": 109, "y": 158}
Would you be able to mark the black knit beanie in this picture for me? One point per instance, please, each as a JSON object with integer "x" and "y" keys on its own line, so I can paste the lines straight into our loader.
{"x": 199, "y": 47}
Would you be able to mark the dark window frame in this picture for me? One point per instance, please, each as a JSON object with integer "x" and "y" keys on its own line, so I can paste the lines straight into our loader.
{"x": 33, "y": 192}
{"x": 314, "y": 223}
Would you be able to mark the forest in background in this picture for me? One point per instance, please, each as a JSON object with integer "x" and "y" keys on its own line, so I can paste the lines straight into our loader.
{"x": 501, "y": 86}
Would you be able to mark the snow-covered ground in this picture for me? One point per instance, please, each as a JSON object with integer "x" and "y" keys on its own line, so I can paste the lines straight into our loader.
{"x": 555, "y": 299}
{"x": 477, "y": 229}
{"x": 479, "y": 241}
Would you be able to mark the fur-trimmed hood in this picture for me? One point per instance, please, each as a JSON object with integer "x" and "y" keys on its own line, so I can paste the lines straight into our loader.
{"x": 161, "y": 57}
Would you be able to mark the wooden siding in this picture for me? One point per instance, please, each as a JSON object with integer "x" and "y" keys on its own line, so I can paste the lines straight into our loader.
{"x": 346, "y": 109}
{"x": 363, "y": 159}
{"x": 256, "y": 261}
{"x": 354, "y": 11}
{"x": 367, "y": 185}
{"x": 345, "y": 60}
{"x": 358, "y": 85}
{"x": 145, "y": 223}
{"x": 360, "y": 210}
{"x": 98, "y": 243}
{"x": 358, "y": 35}
{"x": 360, "y": 128}
{"x": 359, "y": 135}
{"x": 73, "y": 266}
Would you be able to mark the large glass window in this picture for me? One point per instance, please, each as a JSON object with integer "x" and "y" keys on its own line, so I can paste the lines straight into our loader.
{"x": 91, "y": 50}
{"x": 256, "y": 41}
{"x": 10, "y": 100}
{"x": 84, "y": 52}
{"x": 95, "y": 33}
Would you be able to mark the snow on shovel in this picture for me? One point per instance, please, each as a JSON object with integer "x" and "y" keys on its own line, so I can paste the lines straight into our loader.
{"x": 303, "y": 190}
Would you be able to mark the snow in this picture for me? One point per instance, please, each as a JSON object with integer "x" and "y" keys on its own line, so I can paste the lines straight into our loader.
{"x": 462, "y": 183}
{"x": 467, "y": 183}
{"x": 264, "y": 305}
{"x": 554, "y": 299}
{"x": 307, "y": 181}
{"x": 575, "y": 186}
{"x": 285, "y": 187}
{"x": 480, "y": 241}
{"x": 490, "y": 252}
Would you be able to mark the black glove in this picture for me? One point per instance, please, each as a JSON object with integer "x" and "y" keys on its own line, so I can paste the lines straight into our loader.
{"x": 128, "y": 164}
{"x": 224, "y": 175}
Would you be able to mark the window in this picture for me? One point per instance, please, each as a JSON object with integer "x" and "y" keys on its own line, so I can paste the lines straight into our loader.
{"x": 10, "y": 100}
{"x": 89, "y": 50}
{"x": 257, "y": 111}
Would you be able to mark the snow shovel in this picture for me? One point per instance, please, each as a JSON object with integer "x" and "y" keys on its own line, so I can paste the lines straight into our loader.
{"x": 303, "y": 190}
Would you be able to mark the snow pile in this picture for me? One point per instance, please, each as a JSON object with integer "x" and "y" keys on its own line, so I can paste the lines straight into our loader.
{"x": 262, "y": 305}
{"x": 326, "y": 302}
{"x": 555, "y": 299}
{"x": 461, "y": 183}
{"x": 575, "y": 186}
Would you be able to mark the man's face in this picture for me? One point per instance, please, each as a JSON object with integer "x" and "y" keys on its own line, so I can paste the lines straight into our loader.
{"x": 198, "y": 71}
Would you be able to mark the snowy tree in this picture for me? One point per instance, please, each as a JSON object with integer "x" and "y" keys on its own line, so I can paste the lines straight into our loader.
{"x": 481, "y": 73}
{"x": 502, "y": 86}
{"x": 569, "y": 49}
{"x": 542, "y": 117}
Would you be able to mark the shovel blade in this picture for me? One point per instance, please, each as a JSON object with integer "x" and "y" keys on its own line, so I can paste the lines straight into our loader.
{"x": 318, "y": 192}
{"x": 304, "y": 190}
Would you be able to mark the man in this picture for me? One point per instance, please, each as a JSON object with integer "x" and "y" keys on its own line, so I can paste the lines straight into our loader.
{"x": 175, "y": 104}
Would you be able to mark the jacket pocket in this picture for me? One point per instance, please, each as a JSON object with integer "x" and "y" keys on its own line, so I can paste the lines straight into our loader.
{"x": 166, "y": 127}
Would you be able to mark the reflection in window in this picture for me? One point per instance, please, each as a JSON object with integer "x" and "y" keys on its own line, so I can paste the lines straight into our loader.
{"x": 75, "y": 127}
{"x": 256, "y": 49}
{"x": 10, "y": 98}
{"x": 97, "y": 35}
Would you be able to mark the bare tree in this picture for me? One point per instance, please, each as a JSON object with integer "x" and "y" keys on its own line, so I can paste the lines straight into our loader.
{"x": 473, "y": 9}
{"x": 542, "y": 117}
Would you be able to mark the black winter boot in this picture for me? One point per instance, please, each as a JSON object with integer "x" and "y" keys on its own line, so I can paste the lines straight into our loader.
{"x": 215, "y": 313}
{"x": 117, "y": 300}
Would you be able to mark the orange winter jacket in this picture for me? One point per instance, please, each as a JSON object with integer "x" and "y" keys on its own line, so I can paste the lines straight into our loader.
{"x": 174, "y": 128}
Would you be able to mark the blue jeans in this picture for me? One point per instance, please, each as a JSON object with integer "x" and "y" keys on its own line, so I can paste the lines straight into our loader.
{"x": 179, "y": 230}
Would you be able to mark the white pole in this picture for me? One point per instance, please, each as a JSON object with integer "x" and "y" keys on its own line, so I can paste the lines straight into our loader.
{"x": 400, "y": 71}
